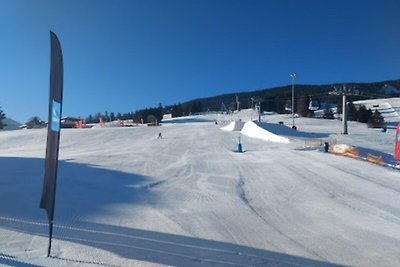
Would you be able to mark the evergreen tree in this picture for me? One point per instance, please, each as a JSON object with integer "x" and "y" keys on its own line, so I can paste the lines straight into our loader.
{"x": 280, "y": 106}
{"x": 364, "y": 114}
{"x": 89, "y": 119}
{"x": 112, "y": 116}
{"x": 328, "y": 113}
{"x": 2, "y": 117}
{"x": 339, "y": 109}
{"x": 352, "y": 113}
{"x": 301, "y": 107}
{"x": 269, "y": 105}
{"x": 177, "y": 111}
{"x": 376, "y": 120}
{"x": 159, "y": 112}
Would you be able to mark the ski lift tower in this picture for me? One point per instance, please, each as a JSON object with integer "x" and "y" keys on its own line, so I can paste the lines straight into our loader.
{"x": 256, "y": 105}
{"x": 344, "y": 93}
{"x": 237, "y": 103}
{"x": 293, "y": 76}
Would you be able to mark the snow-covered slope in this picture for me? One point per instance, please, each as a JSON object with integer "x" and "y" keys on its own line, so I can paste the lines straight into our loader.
{"x": 127, "y": 198}
{"x": 388, "y": 107}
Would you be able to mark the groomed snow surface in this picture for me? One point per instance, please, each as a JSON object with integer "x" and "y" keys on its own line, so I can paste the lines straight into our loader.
{"x": 128, "y": 198}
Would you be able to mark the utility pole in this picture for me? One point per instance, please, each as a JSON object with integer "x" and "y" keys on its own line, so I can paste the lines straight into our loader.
{"x": 293, "y": 76}
{"x": 344, "y": 111}
{"x": 344, "y": 93}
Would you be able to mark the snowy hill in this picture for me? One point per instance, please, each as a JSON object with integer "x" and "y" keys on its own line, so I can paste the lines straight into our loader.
{"x": 127, "y": 198}
{"x": 389, "y": 107}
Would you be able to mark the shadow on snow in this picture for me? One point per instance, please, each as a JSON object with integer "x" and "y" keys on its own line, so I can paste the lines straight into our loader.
{"x": 387, "y": 158}
{"x": 12, "y": 261}
{"x": 392, "y": 125}
{"x": 83, "y": 190}
{"x": 283, "y": 130}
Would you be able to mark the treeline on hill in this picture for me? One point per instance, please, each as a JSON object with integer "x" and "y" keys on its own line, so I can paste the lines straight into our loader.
{"x": 276, "y": 98}
{"x": 148, "y": 115}
{"x": 273, "y": 100}
{"x": 364, "y": 115}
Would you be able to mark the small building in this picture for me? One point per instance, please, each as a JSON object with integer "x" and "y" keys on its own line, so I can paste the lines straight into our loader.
{"x": 167, "y": 116}
{"x": 34, "y": 123}
{"x": 69, "y": 122}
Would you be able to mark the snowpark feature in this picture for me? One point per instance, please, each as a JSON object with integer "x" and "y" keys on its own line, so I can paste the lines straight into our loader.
{"x": 126, "y": 198}
{"x": 251, "y": 129}
{"x": 236, "y": 126}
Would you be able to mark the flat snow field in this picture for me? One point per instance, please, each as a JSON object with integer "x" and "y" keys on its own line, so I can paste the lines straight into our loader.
{"x": 127, "y": 198}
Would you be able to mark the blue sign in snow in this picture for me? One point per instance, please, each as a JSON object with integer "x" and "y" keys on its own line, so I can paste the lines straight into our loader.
{"x": 56, "y": 116}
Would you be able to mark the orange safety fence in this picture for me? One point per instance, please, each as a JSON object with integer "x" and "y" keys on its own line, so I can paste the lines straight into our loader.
{"x": 355, "y": 153}
{"x": 352, "y": 153}
{"x": 374, "y": 159}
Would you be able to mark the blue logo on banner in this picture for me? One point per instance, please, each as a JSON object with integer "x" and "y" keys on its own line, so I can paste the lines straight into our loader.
{"x": 55, "y": 116}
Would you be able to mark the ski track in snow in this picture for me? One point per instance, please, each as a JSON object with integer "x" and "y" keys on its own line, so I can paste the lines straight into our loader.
{"x": 343, "y": 190}
{"x": 247, "y": 202}
{"x": 353, "y": 173}
{"x": 340, "y": 193}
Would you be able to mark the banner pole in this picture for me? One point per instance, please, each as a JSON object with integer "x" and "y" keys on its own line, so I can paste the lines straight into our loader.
{"x": 50, "y": 237}
{"x": 47, "y": 200}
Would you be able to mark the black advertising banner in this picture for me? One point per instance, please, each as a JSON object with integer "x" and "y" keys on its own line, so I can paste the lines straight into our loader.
{"x": 53, "y": 131}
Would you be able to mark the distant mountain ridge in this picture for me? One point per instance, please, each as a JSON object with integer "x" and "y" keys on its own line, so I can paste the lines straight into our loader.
{"x": 275, "y": 98}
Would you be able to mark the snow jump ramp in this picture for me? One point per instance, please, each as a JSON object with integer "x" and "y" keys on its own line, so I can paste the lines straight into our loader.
{"x": 235, "y": 126}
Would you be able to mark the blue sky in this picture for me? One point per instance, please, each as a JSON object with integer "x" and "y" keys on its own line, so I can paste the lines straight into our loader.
{"x": 126, "y": 55}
